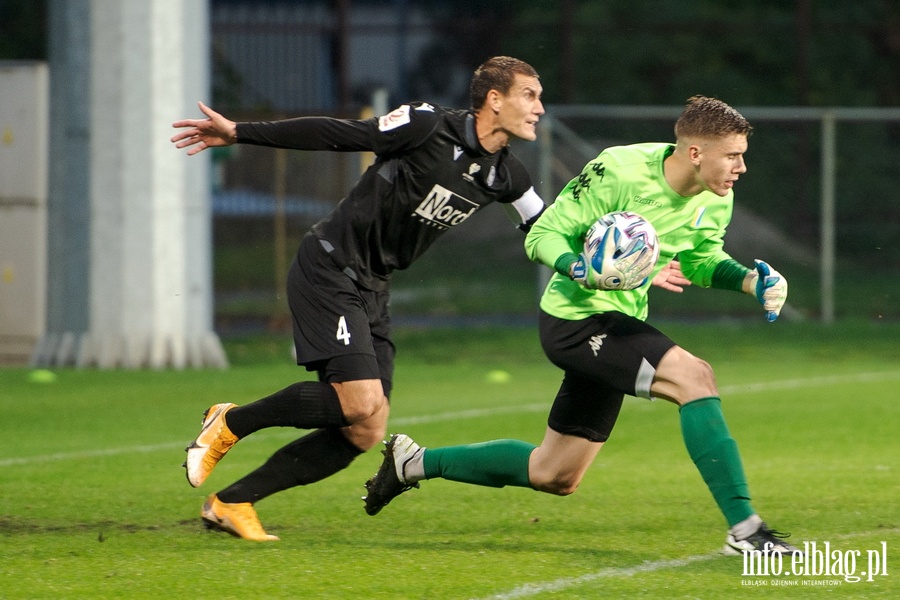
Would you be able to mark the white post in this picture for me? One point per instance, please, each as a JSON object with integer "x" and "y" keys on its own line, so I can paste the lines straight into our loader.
{"x": 827, "y": 232}
{"x": 545, "y": 187}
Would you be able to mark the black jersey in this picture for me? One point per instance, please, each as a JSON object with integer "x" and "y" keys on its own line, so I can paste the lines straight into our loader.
{"x": 430, "y": 174}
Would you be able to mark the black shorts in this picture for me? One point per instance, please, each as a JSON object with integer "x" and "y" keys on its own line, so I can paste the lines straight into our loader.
{"x": 604, "y": 357}
{"x": 341, "y": 330}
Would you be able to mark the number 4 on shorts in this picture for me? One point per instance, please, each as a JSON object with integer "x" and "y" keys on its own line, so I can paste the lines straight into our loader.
{"x": 342, "y": 332}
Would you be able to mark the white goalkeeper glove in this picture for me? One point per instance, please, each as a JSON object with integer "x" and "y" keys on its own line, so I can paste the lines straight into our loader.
{"x": 622, "y": 274}
{"x": 578, "y": 270}
{"x": 770, "y": 288}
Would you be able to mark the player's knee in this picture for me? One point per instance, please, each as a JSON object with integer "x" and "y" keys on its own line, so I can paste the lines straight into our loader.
{"x": 688, "y": 378}
{"x": 366, "y": 438}
{"x": 361, "y": 403}
{"x": 559, "y": 484}
{"x": 369, "y": 431}
{"x": 703, "y": 376}
{"x": 362, "y": 410}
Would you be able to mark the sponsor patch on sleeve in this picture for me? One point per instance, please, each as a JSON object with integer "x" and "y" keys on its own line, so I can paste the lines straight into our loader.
{"x": 395, "y": 118}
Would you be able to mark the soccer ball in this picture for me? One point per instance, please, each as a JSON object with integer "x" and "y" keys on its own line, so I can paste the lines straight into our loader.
{"x": 620, "y": 251}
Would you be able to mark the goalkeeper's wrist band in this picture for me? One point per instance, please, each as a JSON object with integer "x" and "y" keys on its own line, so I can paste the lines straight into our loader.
{"x": 563, "y": 264}
{"x": 729, "y": 275}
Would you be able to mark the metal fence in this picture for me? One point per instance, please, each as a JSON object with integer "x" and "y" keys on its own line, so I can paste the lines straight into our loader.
{"x": 817, "y": 201}
{"x": 819, "y": 190}
{"x": 296, "y": 57}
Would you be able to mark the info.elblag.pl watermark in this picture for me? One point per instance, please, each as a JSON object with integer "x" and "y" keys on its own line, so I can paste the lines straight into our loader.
{"x": 816, "y": 565}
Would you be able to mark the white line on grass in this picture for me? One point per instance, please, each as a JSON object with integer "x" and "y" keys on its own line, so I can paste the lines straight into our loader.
{"x": 792, "y": 384}
{"x": 475, "y": 413}
{"x": 533, "y": 589}
{"x": 400, "y": 421}
{"x": 28, "y": 460}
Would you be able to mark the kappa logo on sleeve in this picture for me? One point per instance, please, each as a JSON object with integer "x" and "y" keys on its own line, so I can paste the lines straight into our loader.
{"x": 394, "y": 119}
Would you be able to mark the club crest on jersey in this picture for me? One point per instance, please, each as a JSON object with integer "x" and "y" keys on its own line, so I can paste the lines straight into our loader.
{"x": 395, "y": 118}
{"x": 473, "y": 168}
{"x": 443, "y": 209}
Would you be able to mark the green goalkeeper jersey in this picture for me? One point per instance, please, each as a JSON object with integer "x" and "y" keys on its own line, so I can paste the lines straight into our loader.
{"x": 628, "y": 178}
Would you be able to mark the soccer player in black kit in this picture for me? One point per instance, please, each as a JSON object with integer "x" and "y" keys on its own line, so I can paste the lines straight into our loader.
{"x": 435, "y": 168}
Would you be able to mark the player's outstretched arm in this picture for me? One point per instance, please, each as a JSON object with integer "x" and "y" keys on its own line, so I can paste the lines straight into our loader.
{"x": 214, "y": 131}
{"x": 671, "y": 278}
{"x": 769, "y": 287}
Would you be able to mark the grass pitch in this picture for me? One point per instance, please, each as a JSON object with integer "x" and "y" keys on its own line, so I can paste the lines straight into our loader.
{"x": 95, "y": 503}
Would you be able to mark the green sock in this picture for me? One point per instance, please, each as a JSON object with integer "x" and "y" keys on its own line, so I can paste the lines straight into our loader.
{"x": 495, "y": 464}
{"x": 716, "y": 455}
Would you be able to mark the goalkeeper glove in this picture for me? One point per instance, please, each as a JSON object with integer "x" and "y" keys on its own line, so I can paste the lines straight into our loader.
{"x": 770, "y": 288}
{"x": 578, "y": 270}
{"x": 618, "y": 274}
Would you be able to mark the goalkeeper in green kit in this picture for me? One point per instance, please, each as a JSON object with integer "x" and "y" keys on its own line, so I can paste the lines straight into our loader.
{"x": 599, "y": 337}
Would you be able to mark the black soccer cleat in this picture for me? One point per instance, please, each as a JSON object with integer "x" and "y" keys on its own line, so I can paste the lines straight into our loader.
{"x": 765, "y": 540}
{"x": 386, "y": 484}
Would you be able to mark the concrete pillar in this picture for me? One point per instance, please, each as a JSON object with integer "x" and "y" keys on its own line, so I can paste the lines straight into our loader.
{"x": 148, "y": 268}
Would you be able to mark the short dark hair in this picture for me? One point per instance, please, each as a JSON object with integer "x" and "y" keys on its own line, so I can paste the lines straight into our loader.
{"x": 497, "y": 73}
{"x": 710, "y": 118}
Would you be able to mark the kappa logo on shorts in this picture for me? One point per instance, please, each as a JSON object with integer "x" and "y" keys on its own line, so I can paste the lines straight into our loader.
{"x": 443, "y": 209}
{"x": 596, "y": 342}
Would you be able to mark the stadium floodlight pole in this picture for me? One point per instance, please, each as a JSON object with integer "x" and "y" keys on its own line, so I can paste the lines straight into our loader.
{"x": 547, "y": 191}
{"x": 827, "y": 222}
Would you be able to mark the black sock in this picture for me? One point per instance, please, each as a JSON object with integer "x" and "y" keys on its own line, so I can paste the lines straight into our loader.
{"x": 305, "y": 405}
{"x": 312, "y": 458}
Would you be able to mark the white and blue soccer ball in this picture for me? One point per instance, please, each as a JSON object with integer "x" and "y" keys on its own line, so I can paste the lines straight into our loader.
{"x": 620, "y": 250}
